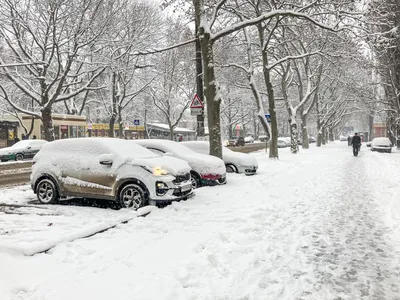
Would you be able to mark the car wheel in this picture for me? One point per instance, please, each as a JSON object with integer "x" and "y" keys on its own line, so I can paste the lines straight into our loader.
{"x": 230, "y": 168}
{"x": 19, "y": 156}
{"x": 195, "y": 180}
{"x": 46, "y": 191}
{"x": 132, "y": 196}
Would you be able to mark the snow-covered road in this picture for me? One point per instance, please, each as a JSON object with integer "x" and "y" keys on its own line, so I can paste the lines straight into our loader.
{"x": 319, "y": 225}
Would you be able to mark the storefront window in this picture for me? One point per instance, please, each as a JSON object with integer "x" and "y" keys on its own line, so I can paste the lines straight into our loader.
{"x": 64, "y": 131}
{"x": 73, "y": 131}
{"x": 81, "y": 131}
{"x": 57, "y": 132}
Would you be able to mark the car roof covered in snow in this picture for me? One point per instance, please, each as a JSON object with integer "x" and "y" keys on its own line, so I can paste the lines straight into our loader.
{"x": 98, "y": 146}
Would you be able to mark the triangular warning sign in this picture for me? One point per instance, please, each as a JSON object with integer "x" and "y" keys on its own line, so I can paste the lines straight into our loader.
{"x": 196, "y": 102}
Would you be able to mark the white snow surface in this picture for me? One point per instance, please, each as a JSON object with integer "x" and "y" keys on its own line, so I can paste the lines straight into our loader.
{"x": 318, "y": 225}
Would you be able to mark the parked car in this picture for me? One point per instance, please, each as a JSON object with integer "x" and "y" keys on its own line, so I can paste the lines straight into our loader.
{"x": 343, "y": 138}
{"x": 235, "y": 162}
{"x": 111, "y": 169}
{"x": 206, "y": 169}
{"x": 236, "y": 141}
{"x": 381, "y": 144}
{"x": 282, "y": 143}
{"x": 368, "y": 144}
{"x": 262, "y": 138}
{"x": 249, "y": 139}
{"x": 21, "y": 150}
{"x": 312, "y": 139}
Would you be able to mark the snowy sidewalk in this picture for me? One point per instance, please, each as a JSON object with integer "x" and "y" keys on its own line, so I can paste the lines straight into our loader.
{"x": 318, "y": 225}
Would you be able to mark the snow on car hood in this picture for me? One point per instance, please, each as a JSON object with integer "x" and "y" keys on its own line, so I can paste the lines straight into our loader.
{"x": 5, "y": 151}
{"x": 240, "y": 159}
{"x": 174, "y": 166}
{"x": 205, "y": 164}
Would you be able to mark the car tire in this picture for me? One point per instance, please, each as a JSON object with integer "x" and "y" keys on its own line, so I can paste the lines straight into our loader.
{"x": 132, "y": 196}
{"x": 19, "y": 156}
{"x": 195, "y": 180}
{"x": 231, "y": 168}
{"x": 46, "y": 191}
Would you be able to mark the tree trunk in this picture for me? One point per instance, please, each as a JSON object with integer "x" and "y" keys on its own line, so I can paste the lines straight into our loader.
{"x": 319, "y": 139}
{"x": 120, "y": 128}
{"x": 213, "y": 98}
{"x": 331, "y": 135}
{"x": 273, "y": 151}
{"x": 304, "y": 131}
{"x": 294, "y": 145}
{"x": 171, "y": 131}
{"x": 113, "y": 107}
{"x": 323, "y": 133}
{"x": 48, "y": 127}
{"x": 319, "y": 129}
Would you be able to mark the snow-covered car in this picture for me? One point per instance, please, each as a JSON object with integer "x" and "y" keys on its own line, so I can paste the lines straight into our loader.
{"x": 381, "y": 144}
{"x": 206, "y": 169}
{"x": 110, "y": 169}
{"x": 368, "y": 144}
{"x": 236, "y": 141}
{"x": 249, "y": 139}
{"x": 235, "y": 162}
{"x": 282, "y": 143}
{"x": 21, "y": 150}
{"x": 312, "y": 139}
{"x": 262, "y": 138}
{"x": 343, "y": 138}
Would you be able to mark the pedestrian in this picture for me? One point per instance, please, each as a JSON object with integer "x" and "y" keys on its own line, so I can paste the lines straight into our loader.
{"x": 34, "y": 137}
{"x": 356, "y": 142}
{"x": 349, "y": 140}
{"x": 23, "y": 136}
{"x": 16, "y": 139}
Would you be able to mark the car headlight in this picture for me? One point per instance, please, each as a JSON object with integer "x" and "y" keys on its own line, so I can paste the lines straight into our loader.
{"x": 159, "y": 172}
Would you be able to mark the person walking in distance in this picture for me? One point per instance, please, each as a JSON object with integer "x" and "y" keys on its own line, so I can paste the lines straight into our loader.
{"x": 349, "y": 140}
{"x": 356, "y": 143}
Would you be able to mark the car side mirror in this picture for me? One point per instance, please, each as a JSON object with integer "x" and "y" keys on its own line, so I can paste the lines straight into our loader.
{"x": 106, "y": 159}
{"x": 29, "y": 147}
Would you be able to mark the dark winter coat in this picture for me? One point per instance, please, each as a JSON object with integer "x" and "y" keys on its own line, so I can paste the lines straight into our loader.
{"x": 356, "y": 141}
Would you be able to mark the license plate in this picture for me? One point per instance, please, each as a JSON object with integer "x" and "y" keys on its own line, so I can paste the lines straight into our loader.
{"x": 186, "y": 188}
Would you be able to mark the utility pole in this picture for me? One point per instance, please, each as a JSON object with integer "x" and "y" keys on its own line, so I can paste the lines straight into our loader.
{"x": 199, "y": 83}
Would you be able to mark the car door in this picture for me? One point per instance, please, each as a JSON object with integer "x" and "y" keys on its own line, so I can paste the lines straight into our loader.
{"x": 32, "y": 148}
{"x": 97, "y": 180}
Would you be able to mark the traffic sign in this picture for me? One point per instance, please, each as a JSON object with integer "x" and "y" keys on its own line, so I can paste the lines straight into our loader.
{"x": 196, "y": 102}
{"x": 197, "y": 111}
{"x": 268, "y": 117}
{"x": 136, "y": 122}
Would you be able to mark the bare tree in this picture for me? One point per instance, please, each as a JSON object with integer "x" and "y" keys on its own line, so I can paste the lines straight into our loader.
{"x": 59, "y": 34}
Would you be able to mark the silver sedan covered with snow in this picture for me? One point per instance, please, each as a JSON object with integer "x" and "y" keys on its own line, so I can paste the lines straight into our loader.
{"x": 235, "y": 162}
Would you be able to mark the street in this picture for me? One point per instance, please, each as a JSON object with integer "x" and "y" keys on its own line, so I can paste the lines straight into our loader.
{"x": 321, "y": 224}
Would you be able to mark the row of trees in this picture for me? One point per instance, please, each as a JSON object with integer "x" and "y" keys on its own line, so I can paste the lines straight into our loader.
{"x": 299, "y": 61}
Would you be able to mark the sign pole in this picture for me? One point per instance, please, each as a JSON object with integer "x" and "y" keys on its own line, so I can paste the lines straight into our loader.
{"x": 199, "y": 82}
